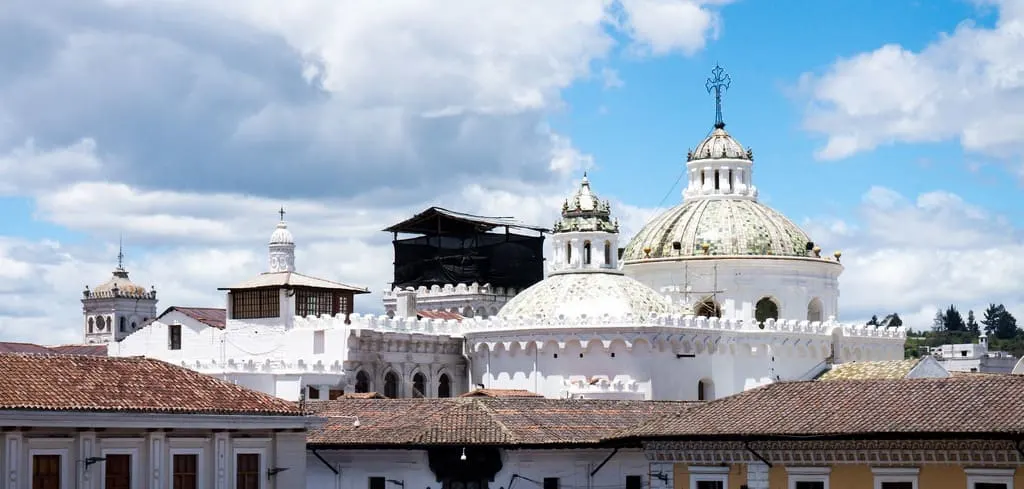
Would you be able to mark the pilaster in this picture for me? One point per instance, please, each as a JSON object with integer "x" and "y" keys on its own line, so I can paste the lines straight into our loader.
{"x": 157, "y": 443}
{"x": 86, "y": 449}
{"x": 221, "y": 452}
{"x": 662, "y": 475}
{"x": 757, "y": 476}
{"x": 13, "y": 443}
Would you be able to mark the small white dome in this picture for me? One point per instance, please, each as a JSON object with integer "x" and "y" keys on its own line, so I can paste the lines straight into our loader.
{"x": 282, "y": 235}
{"x": 720, "y": 145}
{"x": 593, "y": 294}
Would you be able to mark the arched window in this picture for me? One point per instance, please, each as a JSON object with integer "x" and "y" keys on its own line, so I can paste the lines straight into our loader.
{"x": 444, "y": 386}
{"x": 814, "y": 308}
{"x": 362, "y": 382}
{"x": 99, "y": 323}
{"x": 586, "y": 252}
{"x": 568, "y": 253}
{"x": 766, "y": 309}
{"x": 419, "y": 385}
{"x": 122, "y": 326}
{"x": 91, "y": 325}
{"x": 391, "y": 385}
{"x": 705, "y": 390}
{"x": 133, "y": 325}
{"x": 607, "y": 252}
{"x": 708, "y": 308}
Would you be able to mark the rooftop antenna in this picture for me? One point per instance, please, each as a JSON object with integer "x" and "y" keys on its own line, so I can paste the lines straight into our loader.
{"x": 718, "y": 82}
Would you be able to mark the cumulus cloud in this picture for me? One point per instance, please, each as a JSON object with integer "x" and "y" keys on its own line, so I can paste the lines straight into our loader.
{"x": 967, "y": 85}
{"x": 183, "y": 126}
{"x": 913, "y": 256}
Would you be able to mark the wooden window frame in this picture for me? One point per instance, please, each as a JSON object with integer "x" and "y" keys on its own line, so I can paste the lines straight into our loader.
{"x": 990, "y": 476}
{"x": 704, "y": 473}
{"x": 256, "y": 303}
{"x": 65, "y": 472}
{"x": 319, "y": 302}
{"x": 173, "y": 331}
{"x": 808, "y": 474}
{"x": 261, "y": 477}
{"x": 134, "y": 464}
{"x": 895, "y": 474}
{"x": 198, "y": 452}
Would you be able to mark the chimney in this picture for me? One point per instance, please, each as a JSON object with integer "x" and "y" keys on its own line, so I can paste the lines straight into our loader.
{"x": 405, "y": 303}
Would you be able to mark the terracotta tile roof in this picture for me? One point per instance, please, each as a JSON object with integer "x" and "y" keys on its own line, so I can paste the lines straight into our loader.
{"x": 503, "y": 421}
{"x": 99, "y": 350}
{"x": 362, "y": 395}
{"x": 439, "y": 314}
{"x": 960, "y": 404}
{"x": 210, "y": 316}
{"x": 500, "y": 393}
{"x": 889, "y": 369}
{"x": 125, "y": 384}
{"x": 15, "y": 347}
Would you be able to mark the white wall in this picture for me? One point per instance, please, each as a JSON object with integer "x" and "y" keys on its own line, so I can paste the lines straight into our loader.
{"x": 573, "y": 467}
{"x": 151, "y": 455}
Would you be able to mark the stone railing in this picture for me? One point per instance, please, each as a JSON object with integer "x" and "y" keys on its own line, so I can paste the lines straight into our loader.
{"x": 452, "y": 327}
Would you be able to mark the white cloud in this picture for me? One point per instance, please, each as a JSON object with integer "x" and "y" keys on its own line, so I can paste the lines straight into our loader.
{"x": 913, "y": 256}
{"x": 967, "y": 85}
{"x": 184, "y": 125}
{"x": 663, "y": 26}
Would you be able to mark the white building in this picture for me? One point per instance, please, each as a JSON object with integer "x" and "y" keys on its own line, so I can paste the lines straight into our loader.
{"x": 974, "y": 357}
{"x": 715, "y": 296}
{"x": 116, "y": 308}
{"x": 90, "y": 422}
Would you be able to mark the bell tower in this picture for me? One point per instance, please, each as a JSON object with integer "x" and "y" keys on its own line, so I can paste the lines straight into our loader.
{"x": 281, "y": 248}
{"x": 116, "y": 308}
{"x": 586, "y": 238}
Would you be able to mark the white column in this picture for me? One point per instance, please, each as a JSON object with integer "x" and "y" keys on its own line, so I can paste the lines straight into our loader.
{"x": 221, "y": 453}
{"x": 12, "y": 459}
{"x": 709, "y": 179}
{"x": 86, "y": 449}
{"x": 157, "y": 442}
{"x": 757, "y": 476}
{"x": 726, "y": 180}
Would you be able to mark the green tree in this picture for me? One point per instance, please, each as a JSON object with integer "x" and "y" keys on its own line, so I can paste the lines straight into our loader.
{"x": 990, "y": 318}
{"x": 952, "y": 320}
{"x": 939, "y": 323}
{"x": 1006, "y": 326}
{"x": 972, "y": 324}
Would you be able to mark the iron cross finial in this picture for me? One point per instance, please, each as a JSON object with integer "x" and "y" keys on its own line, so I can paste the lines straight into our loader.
{"x": 719, "y": 82}
{"x": 120, "y": 252}
{"x": 281, "y": 212}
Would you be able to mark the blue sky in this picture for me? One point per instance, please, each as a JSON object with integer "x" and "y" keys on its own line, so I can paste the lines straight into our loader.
{"x": 886, "y": 129}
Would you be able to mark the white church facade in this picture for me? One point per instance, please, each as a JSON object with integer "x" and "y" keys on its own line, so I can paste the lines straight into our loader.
{"x": 715, "y": 296}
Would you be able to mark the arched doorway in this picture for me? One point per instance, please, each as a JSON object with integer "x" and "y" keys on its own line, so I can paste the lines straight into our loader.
{"x": 814, "y": 310}
{"x": 419, "y": 385}
{"x": 708, "y": 308}
{"x": 444, "y": 386}
{"x": 362, "y": 382}
{"x": 765, "y": 309}
{"x": 391, "y": 385}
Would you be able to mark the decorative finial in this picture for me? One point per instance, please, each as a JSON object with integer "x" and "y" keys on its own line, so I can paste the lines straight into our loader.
{"x": 120, "y": 252}
{"x": 719, "y": 82}
{"x": 281, "y": 212}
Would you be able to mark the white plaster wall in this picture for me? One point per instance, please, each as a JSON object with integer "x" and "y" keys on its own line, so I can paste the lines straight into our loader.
{"x": 151, "y": 454}
{"x": 573, "y": 467}
{"x": 741, "y": 282}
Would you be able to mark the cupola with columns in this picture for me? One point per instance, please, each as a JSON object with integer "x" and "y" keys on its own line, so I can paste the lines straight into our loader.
{"x": 282, "y": 248}
{"x": 586, "y": 237}
{"x": 116, "y": 308}
{"x": 720, "y": 167}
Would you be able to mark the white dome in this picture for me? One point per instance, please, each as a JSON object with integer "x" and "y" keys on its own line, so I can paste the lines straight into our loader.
{"x": 593, "y": 294}
{"x": 720, "y": 145}
{"x": 282, "y": 235}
